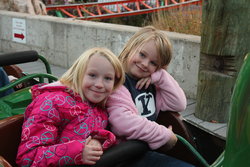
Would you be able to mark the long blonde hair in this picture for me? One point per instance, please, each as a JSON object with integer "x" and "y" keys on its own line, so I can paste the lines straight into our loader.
{"x": 162, "y": 43}
{"x": 73, "y": 77}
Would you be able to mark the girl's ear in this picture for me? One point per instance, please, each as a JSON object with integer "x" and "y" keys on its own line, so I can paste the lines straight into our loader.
{"x": 165, "y": 67}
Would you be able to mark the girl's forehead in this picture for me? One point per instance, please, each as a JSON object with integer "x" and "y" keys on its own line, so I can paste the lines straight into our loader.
{"x": 99, "y": 61}
{"x": 138, "y": 47}
{"x": 96, "y": 57}
{"x": 147, "y": 42}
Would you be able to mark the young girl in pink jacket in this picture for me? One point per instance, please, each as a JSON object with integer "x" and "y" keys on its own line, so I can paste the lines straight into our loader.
{"x": 65, "y": 123}
{"x": 148, "y": 89}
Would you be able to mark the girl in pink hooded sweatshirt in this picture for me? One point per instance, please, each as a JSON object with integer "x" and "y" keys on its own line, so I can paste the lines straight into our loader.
{"x": 65, "y": 123}
{"x": 148, "y": 89}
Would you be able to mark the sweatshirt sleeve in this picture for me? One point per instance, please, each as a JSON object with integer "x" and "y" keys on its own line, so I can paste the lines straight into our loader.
{"x": 169, "y": 95}
{"x": 106, "y": 136}
{"x": 126, "y": 122}
{"x": 38, "y": 141}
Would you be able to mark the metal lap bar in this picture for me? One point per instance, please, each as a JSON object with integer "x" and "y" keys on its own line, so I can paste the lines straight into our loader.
{"x": 28, "y": 77}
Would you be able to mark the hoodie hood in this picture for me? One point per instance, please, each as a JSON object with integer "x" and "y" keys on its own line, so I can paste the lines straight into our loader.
{"x": 38, "y": 89}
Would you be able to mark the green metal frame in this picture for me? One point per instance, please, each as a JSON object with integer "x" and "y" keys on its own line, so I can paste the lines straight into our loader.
{"x": 16, "y": 102}
{"x": 40, "y": 77}
{"x": 46, "y": 63}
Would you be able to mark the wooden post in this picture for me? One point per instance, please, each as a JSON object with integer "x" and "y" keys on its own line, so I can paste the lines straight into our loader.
{"x": 225, "y": 41}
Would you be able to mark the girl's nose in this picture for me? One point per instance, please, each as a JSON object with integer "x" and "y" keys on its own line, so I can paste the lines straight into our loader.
{"x": 145, "y": 63}
{"x": 99, "y": 83}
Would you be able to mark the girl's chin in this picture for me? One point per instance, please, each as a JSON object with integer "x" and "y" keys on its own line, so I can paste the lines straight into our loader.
{"x": 136, "y": 76}
{"x": 132, "y": 75}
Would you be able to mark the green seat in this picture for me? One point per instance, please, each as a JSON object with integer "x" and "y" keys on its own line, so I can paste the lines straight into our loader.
{"x": 14, "y": 103}
{"x": 237, "y": 152}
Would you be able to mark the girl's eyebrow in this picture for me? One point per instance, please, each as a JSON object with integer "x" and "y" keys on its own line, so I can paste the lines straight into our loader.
{"x": 94, "y": 70}
{"x": 144, "y": 52}
{"x": 110, "y": 74}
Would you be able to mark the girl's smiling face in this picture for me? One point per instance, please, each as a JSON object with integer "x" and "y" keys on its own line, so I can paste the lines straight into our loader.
{"x": 98, "y": 79}
{"x": 144, "y": 61}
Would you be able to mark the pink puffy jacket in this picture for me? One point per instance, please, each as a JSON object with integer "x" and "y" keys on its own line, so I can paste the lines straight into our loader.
{"x": 56, "y": 126}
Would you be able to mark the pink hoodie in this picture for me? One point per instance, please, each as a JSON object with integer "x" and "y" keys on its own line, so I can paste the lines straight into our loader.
{"x": 125, "y": 120}
{"x": 56, "y": 126}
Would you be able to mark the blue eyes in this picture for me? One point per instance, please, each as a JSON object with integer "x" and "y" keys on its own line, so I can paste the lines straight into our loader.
{"x": 142, "y": 55}
{"x": 106, "y": 78}
{"x": 153, "y": 63}
{"x": 92, "y": 75}
{"x": 109, "y": 78}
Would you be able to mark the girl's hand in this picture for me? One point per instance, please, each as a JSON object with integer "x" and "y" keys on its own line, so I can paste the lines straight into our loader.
{"x": 13, "y": 79}
{"x": 143, "y": 82}
{"x": 171, "y": 143}
{"x": 173, "y": 139}
{"x": 95, "y": 142}
{"x": 92, "y": 151}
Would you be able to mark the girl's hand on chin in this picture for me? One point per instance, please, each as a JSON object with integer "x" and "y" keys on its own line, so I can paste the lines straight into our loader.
{"x": 143, "y": 82}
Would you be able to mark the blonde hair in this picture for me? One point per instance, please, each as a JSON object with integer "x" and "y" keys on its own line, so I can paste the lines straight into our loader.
{"x": 73, "y": 77}
{"x": 162, "y": 43}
